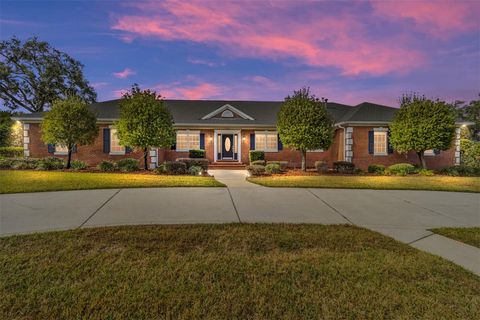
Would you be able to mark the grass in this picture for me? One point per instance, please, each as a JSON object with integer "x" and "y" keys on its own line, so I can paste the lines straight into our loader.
{"x": 469, "y": 236}
{"x": 34, "y": 181}
{"x": 228, "y": 271}
{"x": 435, "y": 183}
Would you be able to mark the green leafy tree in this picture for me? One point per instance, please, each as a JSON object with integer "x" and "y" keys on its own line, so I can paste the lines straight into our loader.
{"x": 33, "y": 74}
{"x": 69, "y": 123}
{"x": 144, "y": 121}
{"x": 5, "y": 128}
{"x": 470, "y": 112}
{"x": 422, "y": 124}
{"x": 304, "y": 123}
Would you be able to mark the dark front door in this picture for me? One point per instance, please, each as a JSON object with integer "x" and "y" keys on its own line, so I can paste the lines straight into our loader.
{"x": 227, "y": 146}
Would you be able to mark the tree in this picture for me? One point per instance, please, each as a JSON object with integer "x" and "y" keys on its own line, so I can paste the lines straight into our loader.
{"x": 304, "y": 123}
{"x": 144, "y": 121}
{"x": 422, "y": 124}
{"x": 69, "y": 123}
{"x": 5, "y": 128}
{"x": 33, "y": 74}
{"x": 470, "y": 112}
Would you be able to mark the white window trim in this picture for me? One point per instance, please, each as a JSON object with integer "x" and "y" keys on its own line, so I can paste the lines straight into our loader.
{"x": 385, "y": 131}
{"x": 265, "y": 133}
{"x": 429, "y": 153}
{"x": 188, "y": 133}
{"x": 115, "y": 153}
{"x": 316, "y": 150}
{"x": 60, "y": 153}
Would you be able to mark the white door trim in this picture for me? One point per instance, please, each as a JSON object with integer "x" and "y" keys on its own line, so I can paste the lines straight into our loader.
{"x": 239, "y": 142}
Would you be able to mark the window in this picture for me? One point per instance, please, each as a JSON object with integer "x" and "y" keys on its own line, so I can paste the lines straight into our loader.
{"x": 188, "y": 140}
{"x": 316, "y": 150}
{"x": 115, "y": 147}
{"x": 429, "y": 152}
{"x": 60, "y": 149}
{"x": 380, "y": 143}
{"x": 227, "y": 114}
{"x": 266, "y": 141}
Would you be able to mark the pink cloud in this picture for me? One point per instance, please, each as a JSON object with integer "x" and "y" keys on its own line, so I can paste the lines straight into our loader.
{"x": 254, "y": 29}
{"x": 205, "y": 62}
{"x": 127, "y": 72}
{"x": 189, "y": 91}
{"x": 441, "y": 18}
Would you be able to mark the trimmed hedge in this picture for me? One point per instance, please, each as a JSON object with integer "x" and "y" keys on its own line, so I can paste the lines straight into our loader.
{"x": 376, "y": 168}
{"x": 461, "y": 171}
{"x": 401, "y": 169}
{"x": 78, "y": 165}
{"x": 321, "y": 166}
{"x": 11, "y": 152}
{"x": 273, "y": 168}
{"x": 255, "y": 155}
{"x": 106, "y": 166}
{"x": 195, "y": 170}
{"x": 283, "y": 164}
{"x": 128, "y": 165}
{"x": 172, "y": 167}
{"x": 189, "y": 162}
{"x": 196, "y": 153}
{"x": 256, "y": 170}
{"x": 344, "y": 167}
{"x": 50, "y": 163}
{"x": 258, "y": 163}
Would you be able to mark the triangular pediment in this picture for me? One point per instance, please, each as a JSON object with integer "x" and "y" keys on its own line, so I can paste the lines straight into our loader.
{"x": 227, "y": 111}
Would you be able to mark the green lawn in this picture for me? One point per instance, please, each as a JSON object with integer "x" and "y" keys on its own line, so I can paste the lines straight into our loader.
{"x": 437, "y": 183}
{"x": 469, "y": 236}
{"x": 238, "y": 271}
{"x": 34, "y": 181}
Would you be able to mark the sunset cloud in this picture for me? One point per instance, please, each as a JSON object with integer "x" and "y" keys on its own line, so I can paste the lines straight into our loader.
{"x": 197, "y": 90}
{"x": 127, "y": 72}
{"x": 241, "y": 29}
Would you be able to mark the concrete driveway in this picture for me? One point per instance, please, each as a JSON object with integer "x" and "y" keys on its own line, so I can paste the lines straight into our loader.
{"x": 403, "y": 215}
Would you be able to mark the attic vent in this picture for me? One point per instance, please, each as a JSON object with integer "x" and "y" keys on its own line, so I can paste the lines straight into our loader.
{"x": 227, "y": 114}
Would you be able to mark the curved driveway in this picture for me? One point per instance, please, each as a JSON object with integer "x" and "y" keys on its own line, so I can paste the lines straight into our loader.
{"x": 403, "y": 215}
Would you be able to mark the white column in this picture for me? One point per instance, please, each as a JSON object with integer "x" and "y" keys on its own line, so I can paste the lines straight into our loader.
{"x": 457, "y": 146}
{"x": 26, "y": 140}
{"x": 153, "y": 158}
{"x": 348, "y": 144}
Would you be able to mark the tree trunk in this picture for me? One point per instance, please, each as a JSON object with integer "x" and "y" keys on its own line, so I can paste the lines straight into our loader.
{"x": 304, "y": 160}
{"x": 145, "y": 158}
{"x": 69, "y": 157}
{"x": 422, "y": 159}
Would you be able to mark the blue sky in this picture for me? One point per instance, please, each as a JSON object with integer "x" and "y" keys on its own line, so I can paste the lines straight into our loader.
{"x": 347, "y": 52}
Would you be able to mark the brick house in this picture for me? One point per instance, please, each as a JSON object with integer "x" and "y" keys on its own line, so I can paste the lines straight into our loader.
{"x": 228, "y": 130}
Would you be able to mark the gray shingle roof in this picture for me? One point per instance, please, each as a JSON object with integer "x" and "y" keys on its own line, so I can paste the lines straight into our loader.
{"x": 264, "y": 112}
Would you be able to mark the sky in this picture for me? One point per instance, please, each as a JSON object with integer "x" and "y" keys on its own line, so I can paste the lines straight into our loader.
{"x": 346, "y": 51}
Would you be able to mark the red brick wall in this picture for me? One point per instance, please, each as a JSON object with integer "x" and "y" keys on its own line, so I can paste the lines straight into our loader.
{"x": 362, "y": 159}
{"x": 91, "y": 154}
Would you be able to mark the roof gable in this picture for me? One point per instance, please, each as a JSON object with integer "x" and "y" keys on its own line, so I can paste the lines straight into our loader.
{"x": 227, "y": 111}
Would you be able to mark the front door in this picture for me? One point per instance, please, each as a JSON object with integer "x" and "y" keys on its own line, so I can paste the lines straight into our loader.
{"x": 227, "y": 146}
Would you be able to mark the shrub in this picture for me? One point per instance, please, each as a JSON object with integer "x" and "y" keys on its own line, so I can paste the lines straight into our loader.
{"x": 344, "y": 167}
{"x": 258, "y": 163}
{"x": 172, "y": 167}
{"x": 127, "y": 165}
{"x": 6, "y": 163}
{"x": 23, "y": 164}
{"x": 425, "y": 172}
{"x": 255, "y": 155}
{"x": 11, "y": 152}
{"x": 106, "y": 166}
{"x": 256, "y": 170}
{"x": 196, "y": 154}
{"x": 189, "y": 162}
{"x": 78, "y": 165}
{"x": 470, "y": 153}
{"x": 358, "y": 171}
{"x": 460, "y": 171}
{"x": 273, "y": 168}
{"x": 283, "y": 164}
{"x": 321, "y": 166}
{"x": 195, "y": 170}
{"x": 401, "y": 169}
{"x": 50, "y": 163}
{"x": 376, "y": 168}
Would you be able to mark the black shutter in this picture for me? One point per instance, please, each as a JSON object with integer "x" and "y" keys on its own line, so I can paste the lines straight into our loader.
{"x": 389, "y": 145}
{"x": 252, "y": 141}
{"x": 436, "y": 152}
{"x": 370, "y": 142}
{"x": 128, "y": 149}
{"x": 51, "y": 148}
{"x": 74, "y": 148}
{"x": 280, "y": 144}
{"x": 173, "y": 147}
{"x": 202, "y": 141}
{"x": 106, "y": 140}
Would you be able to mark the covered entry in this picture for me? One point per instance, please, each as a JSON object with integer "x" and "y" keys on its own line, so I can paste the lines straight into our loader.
{"x": 227, "y": 145}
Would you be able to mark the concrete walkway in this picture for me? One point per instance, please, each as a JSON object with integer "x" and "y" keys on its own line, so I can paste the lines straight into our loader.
{"x": 403, "y": 215}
